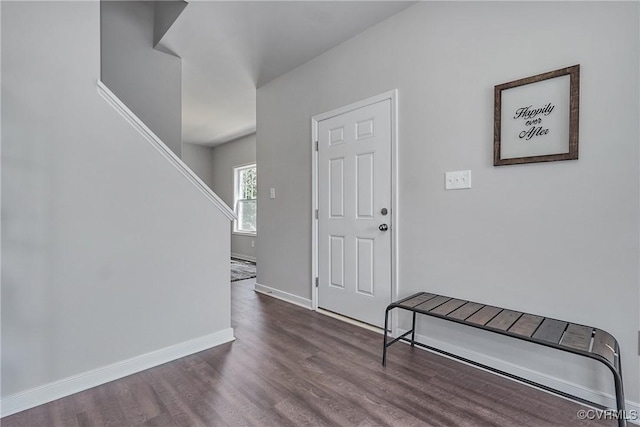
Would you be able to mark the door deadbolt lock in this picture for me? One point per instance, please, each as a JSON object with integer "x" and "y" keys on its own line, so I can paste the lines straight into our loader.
{"x": 383, "y": 211}
{"x": 383, "y": 227}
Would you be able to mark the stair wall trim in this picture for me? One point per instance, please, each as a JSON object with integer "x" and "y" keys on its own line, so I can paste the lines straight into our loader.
{"x": 162, "y": 148}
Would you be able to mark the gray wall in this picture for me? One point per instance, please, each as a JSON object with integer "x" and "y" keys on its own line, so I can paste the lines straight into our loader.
{"x": 200, "y": 160}
{"x": 558, "y": 239}
{"x": 165, "y": 14}
{"x": 215, "y": 167}
{"x": 148, "y": 81}
{"x": 94, "y": 270}
{"x": 238, "y": 152}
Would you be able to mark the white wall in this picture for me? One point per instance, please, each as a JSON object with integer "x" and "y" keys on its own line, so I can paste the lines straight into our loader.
{"x": 94, "y": 270}
{"x": 148, "y": 81}
{"x": 558, "y": 239}
{"x": 1, "y": 210}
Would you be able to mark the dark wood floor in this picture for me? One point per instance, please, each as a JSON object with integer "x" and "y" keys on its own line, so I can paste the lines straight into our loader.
{"x": 293, "y": 367}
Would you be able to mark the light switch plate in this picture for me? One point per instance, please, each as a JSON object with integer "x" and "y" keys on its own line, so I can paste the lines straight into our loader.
{"x": 457, "y": 180}
{"x": 272, "y": 193}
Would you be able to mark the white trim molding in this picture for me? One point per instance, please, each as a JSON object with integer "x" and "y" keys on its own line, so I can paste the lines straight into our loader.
{"x": 237, "y": 172}
{"x": 350, "y": 321}
{"x": 162, "y": 148}
{"x": 243, "y": 257}
{"x": 40, "y": 395}
{"x": 284, "y": 296}
{"x": 245, "y": 233}
{"x": 565, "y": 386}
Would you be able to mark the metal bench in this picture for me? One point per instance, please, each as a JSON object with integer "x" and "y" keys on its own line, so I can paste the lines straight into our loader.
{"x": 573, "y": 338}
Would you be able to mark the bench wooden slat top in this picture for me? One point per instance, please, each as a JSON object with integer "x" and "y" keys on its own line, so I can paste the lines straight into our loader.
{"x": 526, "y": 325}
{"x": 550, "y": 330}
{"x": 432, "y": 303}
{"x": 577, "y": 336}
{"x": 484, "y": 315}
{"x": 417, "y": 300}
{"x": 504, "y": 320}
{"x": 558, "y": 333}
{"x": 604, "y": 345}
{"x": 465, "y": 311}
{"x": 448, "y": 307}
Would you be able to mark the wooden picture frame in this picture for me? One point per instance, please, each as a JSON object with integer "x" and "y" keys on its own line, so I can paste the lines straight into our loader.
{"x": 536, "y": 118}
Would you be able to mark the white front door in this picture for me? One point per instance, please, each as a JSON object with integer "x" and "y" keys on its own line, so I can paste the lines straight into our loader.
{"x": 354, "y": 213}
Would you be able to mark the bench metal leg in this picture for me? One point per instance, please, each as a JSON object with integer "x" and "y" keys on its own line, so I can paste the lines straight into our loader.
{"x": 617, "y": 379}
{"x": 386, "y": 343}
{"x": 386, "y": 331}
{"x": 413, "y": 331}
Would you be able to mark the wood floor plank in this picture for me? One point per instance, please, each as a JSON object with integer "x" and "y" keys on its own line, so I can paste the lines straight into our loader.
{"x": 312, "y": 394}
{"x": 138, "y": 399}
{"x": 62, "y": 413}
{"x": 181, "y": 398}
{"x": 290, "y": 366}
{"x": 162, "y": 420}
{"x": 386, "y": 403}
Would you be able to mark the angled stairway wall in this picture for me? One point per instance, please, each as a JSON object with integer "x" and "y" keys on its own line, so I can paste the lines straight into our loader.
{"x": 147, "y": 80}
{"x": 165, "y": 15}
{"x": 112, "y": 260}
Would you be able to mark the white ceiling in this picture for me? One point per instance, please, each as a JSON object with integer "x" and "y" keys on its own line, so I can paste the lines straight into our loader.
{"x": 229, "y": 48}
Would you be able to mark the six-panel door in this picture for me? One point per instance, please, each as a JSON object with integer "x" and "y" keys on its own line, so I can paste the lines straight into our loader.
{"x": 354, "y": 220}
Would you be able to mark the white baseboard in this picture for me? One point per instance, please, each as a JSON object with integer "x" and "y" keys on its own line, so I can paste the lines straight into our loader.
{"x": 282, "y": 295}
{"x": 632, "y": 408}
{"x": 46, "y": 393}
{"x": 243, "y": 257}
{"x": 350, "y": 321}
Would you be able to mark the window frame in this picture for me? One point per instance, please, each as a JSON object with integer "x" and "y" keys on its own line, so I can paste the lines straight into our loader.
{"x": 237, "y": 170}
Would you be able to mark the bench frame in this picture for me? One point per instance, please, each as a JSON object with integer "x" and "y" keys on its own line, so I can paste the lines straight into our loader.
{"x": 603, "y": 352}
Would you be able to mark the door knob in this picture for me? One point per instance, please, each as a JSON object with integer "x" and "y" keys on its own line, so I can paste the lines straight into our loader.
{"x": 383, "y": 227}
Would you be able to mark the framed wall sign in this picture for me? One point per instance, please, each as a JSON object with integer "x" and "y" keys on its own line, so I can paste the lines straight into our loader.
{"x": 536, "y": 118}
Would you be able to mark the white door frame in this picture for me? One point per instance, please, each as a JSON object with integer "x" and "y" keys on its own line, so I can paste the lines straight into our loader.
{"x": 393, "y": 96}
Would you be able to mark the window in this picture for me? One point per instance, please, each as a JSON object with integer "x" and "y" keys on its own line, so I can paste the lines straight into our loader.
{"x": 245, "y": 194}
